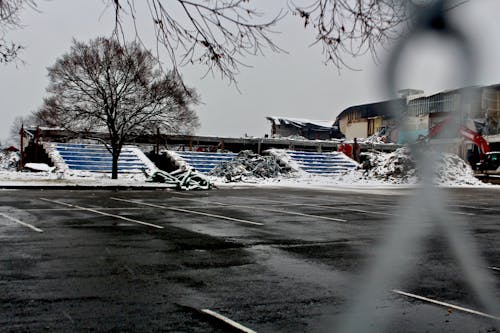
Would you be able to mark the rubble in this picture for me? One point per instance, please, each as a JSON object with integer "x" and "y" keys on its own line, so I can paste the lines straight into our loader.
{"x": 181, "y": 179}
{"x": 399, "y": 167}
{"x": 452, "y": 170}
{"x": 9, "y": 159}
{"x": 396, "y": 167}
{"x": 250, "y": 165}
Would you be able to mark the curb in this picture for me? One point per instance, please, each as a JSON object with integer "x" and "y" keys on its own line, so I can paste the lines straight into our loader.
{"x": 86, "y": 187}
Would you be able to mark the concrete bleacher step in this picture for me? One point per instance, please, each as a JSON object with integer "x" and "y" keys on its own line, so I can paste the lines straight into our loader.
{"x": 203, "y": 162}
{"x": 96, "y": 158}
{"x": 330, "y": 163}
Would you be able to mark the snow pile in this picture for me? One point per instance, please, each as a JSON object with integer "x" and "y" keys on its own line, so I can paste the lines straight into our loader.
{"x": 9, "y": 159}
{"x": 247, "y": 166}
{"x": 69, "y": 178}
{"x": 374, "y": 139}
{"x": 56, "y": 158}
{"x": 399, "y": 167}
{"x": 284, "y": 158}
{"x": 179, "y": 162}
{"x": 452, "y": 170}
{"x": 40, "y": 167}
{"x": 290, "y": 137}
{"x": 151, "y": 167}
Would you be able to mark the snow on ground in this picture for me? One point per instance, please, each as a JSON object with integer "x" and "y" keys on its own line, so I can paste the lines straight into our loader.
{"x": 396, "y": 169}
{"x": 384, "y": 169}
{"x": 400, "y": 167}
{"x": 69, "y": 178}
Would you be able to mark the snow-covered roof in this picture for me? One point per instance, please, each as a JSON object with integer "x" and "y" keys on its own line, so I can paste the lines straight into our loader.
{"x": 300, "y": 122}
{"x": 446, "y": 91}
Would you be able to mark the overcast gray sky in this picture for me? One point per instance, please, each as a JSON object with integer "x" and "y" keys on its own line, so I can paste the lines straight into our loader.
{"x": 296, "y": 84}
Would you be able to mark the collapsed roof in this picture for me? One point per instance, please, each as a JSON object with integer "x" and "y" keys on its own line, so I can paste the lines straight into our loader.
{"x": 383, "y": 109}
{"x": 316, "y": 125}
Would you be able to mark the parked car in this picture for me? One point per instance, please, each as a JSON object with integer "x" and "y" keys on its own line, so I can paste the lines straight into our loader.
{"x": 490, "y": 162}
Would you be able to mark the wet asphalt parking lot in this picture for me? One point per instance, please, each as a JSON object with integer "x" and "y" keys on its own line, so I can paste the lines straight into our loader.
{"x": 269, "y": 259}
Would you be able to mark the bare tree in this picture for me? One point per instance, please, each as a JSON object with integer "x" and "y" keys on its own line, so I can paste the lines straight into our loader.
{"x": 15, "y": 128}
{"x": 107, "y": 86}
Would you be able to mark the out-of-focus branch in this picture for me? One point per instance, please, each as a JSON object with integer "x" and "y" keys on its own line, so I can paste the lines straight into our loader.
{"x": 351, "y": 28}
{"x": 216, "y": 33}
{"x": 10, "y": 19}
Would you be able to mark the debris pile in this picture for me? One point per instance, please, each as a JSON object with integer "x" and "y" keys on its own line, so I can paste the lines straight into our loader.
{"x": 400, "y": 167}
{"x": 249, "y": 165}
{"x": 181, "y": 179}
{"x": 9, "y": 159}
{"x": 284, "y": 158}
{"x": 452, "y": 170}
{"x": 397, "y": 167}
{"x": 375, "y": 139}
{"x": 290, "y": 137}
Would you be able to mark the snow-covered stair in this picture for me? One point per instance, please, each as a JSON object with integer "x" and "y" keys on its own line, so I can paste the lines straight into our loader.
{"x": 200, "y": 161}
{"x": 330, "y": 163}
{"x": 96, "y": 158}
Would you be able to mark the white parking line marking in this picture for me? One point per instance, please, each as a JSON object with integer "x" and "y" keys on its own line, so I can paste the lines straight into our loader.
{"x": 68, "y": 316}
{"x": 77, "y": 209}
{"x": 360, "y": 204}
{"x": 189, "y": 211}
{"x": 228, "y": 321}
{"x": 322, "y": 206}
{"x": 103, "y": 213}
{"x": 461, "y": 213}
{"x": 473, "y": 207}
{"x": 448, "y": 305}
{"x": 477, "y": 208}
{"x": 494, "y": 268}
{"x": 32, "y": 227}
{"x": 271, "y": 210}
{"x": 346, "y": 202}
{"x": 279, "y": 211}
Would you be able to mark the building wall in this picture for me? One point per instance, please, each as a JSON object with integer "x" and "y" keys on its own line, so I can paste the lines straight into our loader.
{"x": 491, "y": 110}
{"x": 357, "y": 129}
{"x": 360, "y": 128}
{"x": 343, "y": 125}
{"x": 413, "y": 127}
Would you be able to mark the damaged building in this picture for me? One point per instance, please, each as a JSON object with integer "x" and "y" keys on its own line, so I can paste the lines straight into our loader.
{"x": 362, "y": 121}
{"x": 305, "y": 128}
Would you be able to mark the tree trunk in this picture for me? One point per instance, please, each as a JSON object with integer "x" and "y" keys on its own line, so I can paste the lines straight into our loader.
{"x": 114, "y": 166}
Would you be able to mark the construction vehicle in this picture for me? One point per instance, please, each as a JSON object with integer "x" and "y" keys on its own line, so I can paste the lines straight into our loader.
{"x": 480, "y": 158}
{"x": 466, "y": 133}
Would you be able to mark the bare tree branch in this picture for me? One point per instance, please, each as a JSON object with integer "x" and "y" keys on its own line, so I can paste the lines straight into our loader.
{"x": 10, "y": 11}
{"x": 216, "y": 33}
{"x": 220, "y": 34}
{"x": 353, "y": 28}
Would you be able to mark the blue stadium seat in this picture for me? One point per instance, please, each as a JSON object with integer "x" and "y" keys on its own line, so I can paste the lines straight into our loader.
{"x": 331, "y": 163}
{"x": 202, "y": 161}
{"x": 96, "y": 158}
